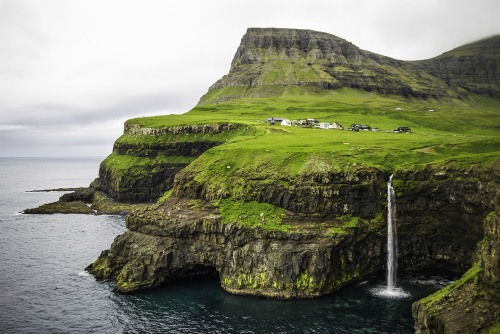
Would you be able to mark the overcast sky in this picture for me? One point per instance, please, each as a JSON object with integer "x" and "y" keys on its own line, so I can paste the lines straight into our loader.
{"x": 72, "y": 71}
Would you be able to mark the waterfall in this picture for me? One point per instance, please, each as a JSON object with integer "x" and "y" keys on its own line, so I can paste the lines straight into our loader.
{"x": 390, "y": 290}
{"x": 392, "y": 241}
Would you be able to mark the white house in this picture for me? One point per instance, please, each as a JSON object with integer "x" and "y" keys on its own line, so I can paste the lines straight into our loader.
{"x": 286, "y": 122}
{"x": 336, "y": 125}
{"x": 323, "y": 125}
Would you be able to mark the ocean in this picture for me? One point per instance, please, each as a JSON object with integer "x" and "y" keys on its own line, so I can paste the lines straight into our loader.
{"x": 45, "y": 289}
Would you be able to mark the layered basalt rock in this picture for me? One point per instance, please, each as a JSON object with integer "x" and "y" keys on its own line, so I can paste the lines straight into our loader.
{"x": 470, "y": 305}
{"x": 173, "y": 241}
{"x": 359, "y": 192}
{"x": 134, "y": 129}
{"x": 474, "y": 67}
{"x": 85, "y": 201}
{"x": 440, "y": 219}
{"x": 176, "y": 149}
{"x": 143, "y": 170}
{"x": 269, "y": 59}
{"x": 140, "y": 183}
{"x": 438, "y": 206}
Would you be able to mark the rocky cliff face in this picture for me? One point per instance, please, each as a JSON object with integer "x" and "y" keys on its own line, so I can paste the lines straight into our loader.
{"x": 440, "y": 224}
{"x": 145, "y": 160}
{"x": 174, "y": 240}
{"x": 470, "y": 305}
{"x": 268, "y": 60}
{"x": 436, "y": 206}
{"x": 359, "y": 192}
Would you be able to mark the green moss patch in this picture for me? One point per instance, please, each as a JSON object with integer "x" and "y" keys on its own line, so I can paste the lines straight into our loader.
{"x": 252, "y": 214}
{"x": 430, "y": 301}
{"x": 495, "y": 329}
{"x": 135, "y": 166}
{"x": 72, "y": 207}
{"x": 345, "y": 224}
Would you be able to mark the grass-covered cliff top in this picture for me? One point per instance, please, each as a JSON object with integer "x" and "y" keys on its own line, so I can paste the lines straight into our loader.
{"x": 442, "y": 130}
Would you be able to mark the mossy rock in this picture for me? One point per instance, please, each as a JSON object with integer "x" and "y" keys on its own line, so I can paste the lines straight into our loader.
{"x": 61, "y": 207}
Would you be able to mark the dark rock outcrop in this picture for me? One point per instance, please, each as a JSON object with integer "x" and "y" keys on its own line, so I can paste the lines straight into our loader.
{"x": 358, "y": 192}
{"x": 85, "y": 195}
{"x": 85, "y": 201}
{"x": 470, "y": 305}
{"x": 440, "y": 224}
{"x": 77, "y": 200}
{"x": 138, "y": 184}
{"x": 68, "y": 207}
{"x": 438, "y": 207}
{"x": 140, "y": 171}
{"x": 173, "y": 241}
{"x": 183, "y": 149}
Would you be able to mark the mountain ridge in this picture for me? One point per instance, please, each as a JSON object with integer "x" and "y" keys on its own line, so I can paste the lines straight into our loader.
{"x": 270, "y": 59}
{"x": 474, "y": 67}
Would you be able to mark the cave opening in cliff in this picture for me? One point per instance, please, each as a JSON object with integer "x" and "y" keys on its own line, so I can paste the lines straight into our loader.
{"x": 197, "y": 272}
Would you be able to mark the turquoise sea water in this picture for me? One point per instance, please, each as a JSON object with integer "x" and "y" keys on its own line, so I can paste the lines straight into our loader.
{"x": 44, "y": 288}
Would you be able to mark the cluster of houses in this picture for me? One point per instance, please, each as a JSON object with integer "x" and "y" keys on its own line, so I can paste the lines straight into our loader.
{"x": 314, "y": 123}
{"x": 306, "y": 123}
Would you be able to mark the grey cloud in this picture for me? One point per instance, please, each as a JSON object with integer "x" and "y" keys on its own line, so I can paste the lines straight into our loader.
{"x": 50, "y": 128}
{"x": 20, "y": 43}
{"x": 52, "y": 140}
{"x": 48, "y": 114}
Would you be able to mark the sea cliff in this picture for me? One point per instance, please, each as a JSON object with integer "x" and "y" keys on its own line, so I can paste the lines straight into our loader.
{"x": 439, "y": 223}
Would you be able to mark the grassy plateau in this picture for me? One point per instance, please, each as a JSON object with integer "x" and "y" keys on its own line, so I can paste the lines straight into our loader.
{"x": 444, "y": 130}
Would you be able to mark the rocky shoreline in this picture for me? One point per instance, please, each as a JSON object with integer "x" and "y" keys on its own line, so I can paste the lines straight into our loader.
{"x": 172, "y": 241}
{"x": 89, "y": 200}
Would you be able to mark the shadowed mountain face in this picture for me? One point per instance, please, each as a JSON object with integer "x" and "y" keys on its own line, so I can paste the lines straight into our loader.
{"x": 474, "y": 67}
{"x": 269, "y": 59}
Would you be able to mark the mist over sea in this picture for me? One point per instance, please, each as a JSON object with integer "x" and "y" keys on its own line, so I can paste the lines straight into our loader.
{"x": 44, "y": 288}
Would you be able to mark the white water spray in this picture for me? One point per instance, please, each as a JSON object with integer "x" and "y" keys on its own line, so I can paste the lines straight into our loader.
{"x": 392, "y": 241}
{"x": 391, "y": 291}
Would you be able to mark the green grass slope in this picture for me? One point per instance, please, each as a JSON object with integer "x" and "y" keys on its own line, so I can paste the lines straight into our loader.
{"x": 442, "y": 131}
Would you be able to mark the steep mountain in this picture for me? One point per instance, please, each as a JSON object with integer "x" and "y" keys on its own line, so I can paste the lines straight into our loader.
{"x": 269, "y": 60}
{"x": 474, "y": 67}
